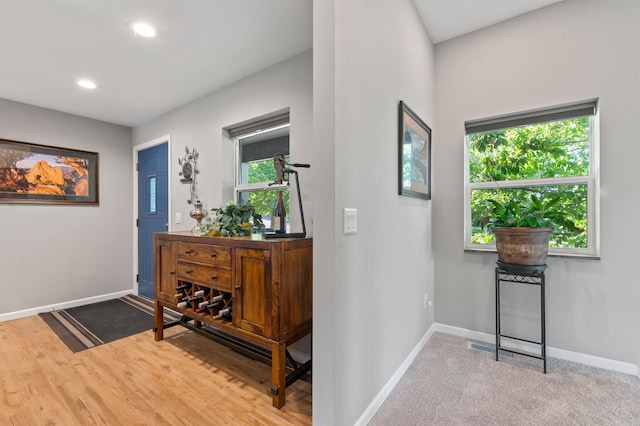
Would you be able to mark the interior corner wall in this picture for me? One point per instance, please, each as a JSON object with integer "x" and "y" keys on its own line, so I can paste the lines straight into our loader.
{"x": 382, "y": 54}
{"x": 53, "y": 254}
{"x": 199, "y": 124}
{"x": 572, "y": 50}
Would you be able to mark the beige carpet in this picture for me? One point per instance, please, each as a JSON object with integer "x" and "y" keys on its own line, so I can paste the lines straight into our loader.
{"x": 451, "y": 383}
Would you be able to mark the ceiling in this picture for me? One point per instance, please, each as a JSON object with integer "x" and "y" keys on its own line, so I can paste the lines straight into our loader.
{"x": 46, "y": 46}
{"x": 446, "y": 19}
{"x": 201, "y": 46}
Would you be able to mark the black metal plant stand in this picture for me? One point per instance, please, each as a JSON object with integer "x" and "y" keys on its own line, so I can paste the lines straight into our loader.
{"x": 530, "y": 275}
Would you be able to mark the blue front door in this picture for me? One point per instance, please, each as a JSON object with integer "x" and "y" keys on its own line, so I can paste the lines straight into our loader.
{"x": 153, "y": 209}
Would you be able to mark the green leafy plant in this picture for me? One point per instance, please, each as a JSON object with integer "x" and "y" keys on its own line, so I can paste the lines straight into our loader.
{"x": 532, "y": 213}
{"x": 232, "y": 220}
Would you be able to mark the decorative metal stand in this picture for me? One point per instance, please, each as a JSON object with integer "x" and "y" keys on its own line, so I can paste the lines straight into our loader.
{"x": 189, "y": 171}
{"x": 282, "y": 175}
{"x": 531, "y": 275}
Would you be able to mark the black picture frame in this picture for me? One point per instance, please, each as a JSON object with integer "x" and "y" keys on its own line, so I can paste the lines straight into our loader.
{"x": 414, "y": 154}
{"x": 42, "y": 174}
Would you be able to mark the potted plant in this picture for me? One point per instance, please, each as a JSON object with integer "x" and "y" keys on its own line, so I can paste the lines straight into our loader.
{"x": 522, "y": 230}
{"x": 232, "y": 220}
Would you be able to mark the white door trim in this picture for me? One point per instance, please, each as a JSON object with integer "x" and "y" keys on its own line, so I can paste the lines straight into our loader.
{"x": 136, "y": 149}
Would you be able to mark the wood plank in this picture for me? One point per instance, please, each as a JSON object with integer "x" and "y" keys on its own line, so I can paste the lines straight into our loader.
{"x": 183, "y": 379}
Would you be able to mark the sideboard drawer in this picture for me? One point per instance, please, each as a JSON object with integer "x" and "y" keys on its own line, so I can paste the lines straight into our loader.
{"x": 218, "y": 278}
{"x": 208, "y": 254}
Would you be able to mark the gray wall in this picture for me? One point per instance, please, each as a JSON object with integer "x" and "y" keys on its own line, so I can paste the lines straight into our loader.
{"x": 53, "y": 254}
{"x": 200, "y": 124}
{"x": 369, "y": 287}
{"x": 569, "y": 51}
{"x": 326, "y": 218}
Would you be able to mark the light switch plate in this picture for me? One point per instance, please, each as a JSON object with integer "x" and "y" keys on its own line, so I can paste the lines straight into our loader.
{"x": 178, "y": 217}
{"x": 350, "y": 221}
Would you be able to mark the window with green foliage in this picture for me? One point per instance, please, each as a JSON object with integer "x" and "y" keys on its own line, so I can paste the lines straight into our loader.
{"x": 549, "y": 156}
{"x": 255, "y": 172}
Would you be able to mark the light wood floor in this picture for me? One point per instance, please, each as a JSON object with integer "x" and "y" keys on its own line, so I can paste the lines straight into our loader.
{"x": 184, "y": 380}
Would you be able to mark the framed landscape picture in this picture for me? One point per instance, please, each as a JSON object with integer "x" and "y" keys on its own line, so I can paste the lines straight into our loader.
{"x": 414, "y": 154}
{"x": 31, "y": 173}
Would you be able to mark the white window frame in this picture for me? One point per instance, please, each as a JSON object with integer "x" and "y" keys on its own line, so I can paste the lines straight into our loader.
{"x": 593, "y": 193}
{"x": 239, "y": 170}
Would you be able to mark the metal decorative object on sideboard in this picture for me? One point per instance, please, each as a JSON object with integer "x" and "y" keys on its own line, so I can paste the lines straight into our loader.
{"x": 283, "y": 170}
{"x": 189, "y": 172}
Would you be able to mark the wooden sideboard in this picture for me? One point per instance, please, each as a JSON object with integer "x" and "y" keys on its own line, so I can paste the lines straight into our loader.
{"x": 266, "y": 284}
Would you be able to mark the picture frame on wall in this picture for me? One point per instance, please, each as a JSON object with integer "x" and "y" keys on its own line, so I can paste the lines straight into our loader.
{"x": 414, "y": 154}
{"x": 41, "y": 174}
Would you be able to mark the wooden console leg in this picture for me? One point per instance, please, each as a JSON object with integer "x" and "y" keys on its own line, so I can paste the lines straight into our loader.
{"x": 278, "y": 374}
{"x": 158, "y": 320}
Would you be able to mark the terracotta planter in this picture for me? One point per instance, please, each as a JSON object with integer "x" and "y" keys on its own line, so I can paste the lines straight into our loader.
{"x": 522, "y": 246}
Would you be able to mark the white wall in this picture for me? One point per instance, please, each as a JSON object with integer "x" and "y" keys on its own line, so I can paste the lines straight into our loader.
{"x": 569, "y": 51}
{"x": 53, "y": 254}
{"x": 200, "y": 124}
{"x": 371, "y": 284}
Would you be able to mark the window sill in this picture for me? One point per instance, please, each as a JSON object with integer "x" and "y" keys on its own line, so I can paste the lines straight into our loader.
{"x": 557, "y": 255}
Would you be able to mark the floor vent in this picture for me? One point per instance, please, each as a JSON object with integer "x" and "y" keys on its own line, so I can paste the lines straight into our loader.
{"x": 487, "y": 347}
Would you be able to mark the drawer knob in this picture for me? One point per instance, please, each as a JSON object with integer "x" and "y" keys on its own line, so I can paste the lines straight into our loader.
{"x": 172, "y": 272}
{"x": 188, "y": 251}
{"x": 237, "y": 287}
{"x": 214, "y": 277}
{"x": 213, "y": 254}
{"x": 188, "y": 271}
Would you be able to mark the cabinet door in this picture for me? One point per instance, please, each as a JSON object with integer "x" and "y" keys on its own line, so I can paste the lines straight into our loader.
{"x": 165, "y": 270}
{"x": 252, "y": 300}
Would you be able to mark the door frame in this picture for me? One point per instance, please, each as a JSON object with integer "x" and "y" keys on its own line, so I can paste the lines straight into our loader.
{"x": 137, "y": 148}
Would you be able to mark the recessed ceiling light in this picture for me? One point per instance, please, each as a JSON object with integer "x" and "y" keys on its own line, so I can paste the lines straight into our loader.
{"x": 143, "y": 29}
{"x": 87, "y": 84}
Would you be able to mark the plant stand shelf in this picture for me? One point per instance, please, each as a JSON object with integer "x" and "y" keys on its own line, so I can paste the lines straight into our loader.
{"x": 528, "y": 275}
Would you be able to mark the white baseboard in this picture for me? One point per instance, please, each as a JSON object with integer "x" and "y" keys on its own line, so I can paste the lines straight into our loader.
{"x": 463, "y": 332}
{"x": 593, "y": 361}
{"x": 64, "y": 305}
{"x": 369, "y": 412}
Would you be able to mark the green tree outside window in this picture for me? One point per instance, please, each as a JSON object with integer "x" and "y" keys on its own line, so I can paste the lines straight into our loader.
{"x": 558, "y": 149}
